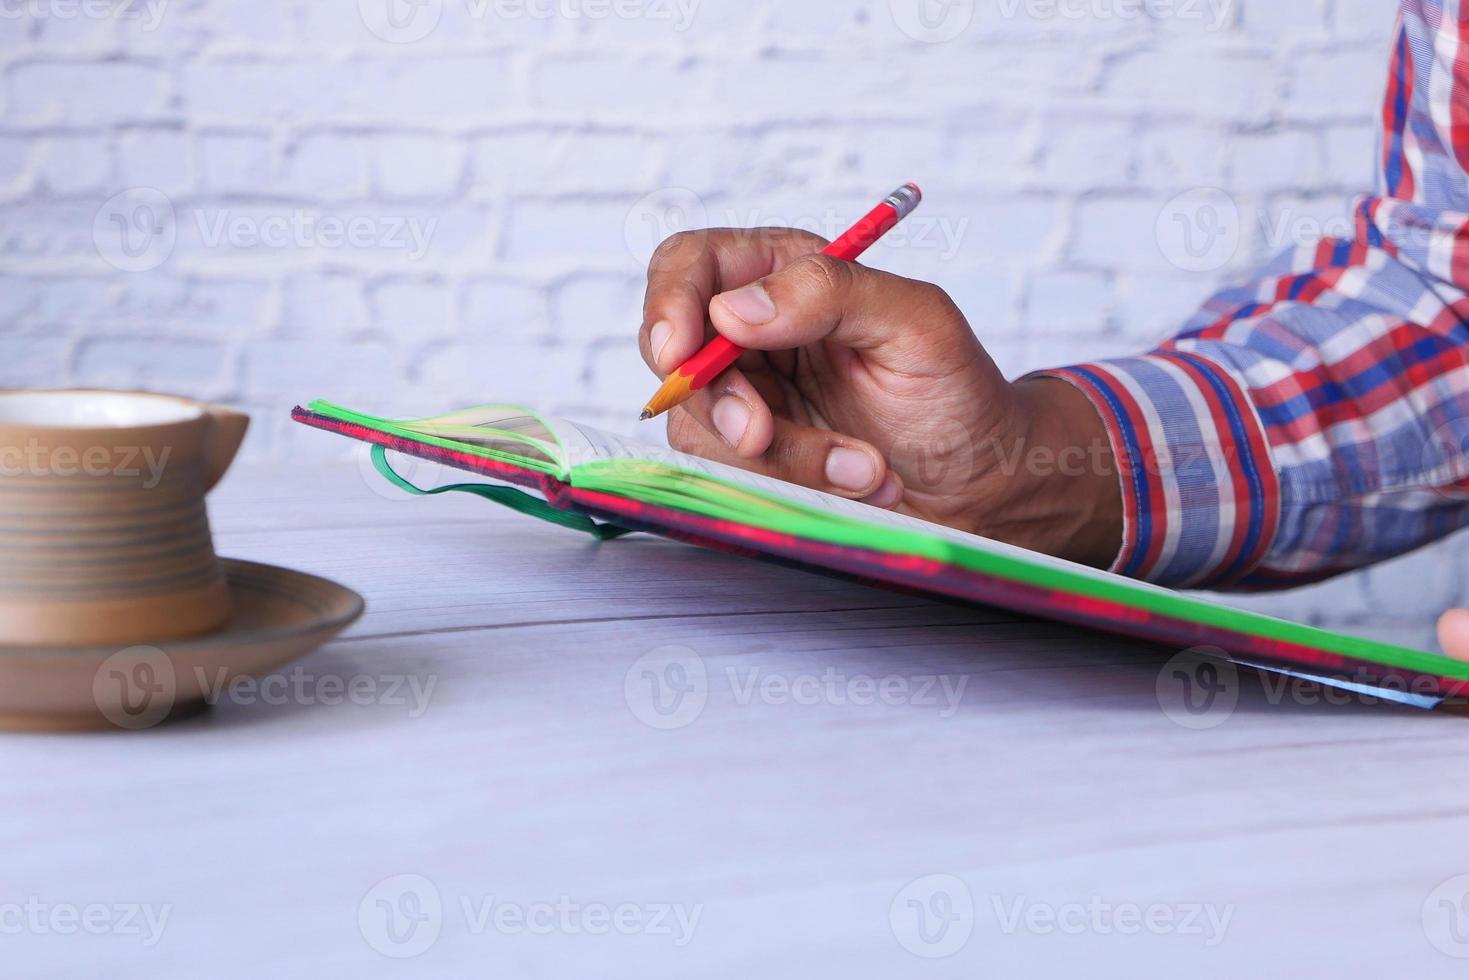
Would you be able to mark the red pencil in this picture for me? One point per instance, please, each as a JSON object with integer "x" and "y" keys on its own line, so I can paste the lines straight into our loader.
{"x": 720, "y": 353}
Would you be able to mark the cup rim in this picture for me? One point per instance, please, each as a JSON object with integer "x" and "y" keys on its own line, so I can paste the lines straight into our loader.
{"x": 166, "y": 409}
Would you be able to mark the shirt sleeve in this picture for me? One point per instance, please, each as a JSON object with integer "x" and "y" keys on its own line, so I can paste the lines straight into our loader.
{"x": 1316, "y": 419}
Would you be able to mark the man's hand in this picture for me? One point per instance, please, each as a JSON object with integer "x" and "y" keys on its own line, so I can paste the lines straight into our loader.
{"x": 872, "y": 386}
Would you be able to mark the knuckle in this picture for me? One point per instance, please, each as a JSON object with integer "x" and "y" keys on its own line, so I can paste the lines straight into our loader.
{"x": 821, "y": 274}
{"x": 938, "y": 299}
{"x": 934, "y": 305}
{"x": 787, "y": 455}
{"x": 678, "y": 247}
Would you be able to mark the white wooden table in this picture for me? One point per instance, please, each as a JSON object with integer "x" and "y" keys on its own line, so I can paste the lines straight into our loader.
{"x": 530, "y": 810}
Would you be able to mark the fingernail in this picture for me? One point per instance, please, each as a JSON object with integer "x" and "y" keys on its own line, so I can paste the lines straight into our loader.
{"x": 731, "y": 418}
{"x": 750, "y": 303}
{"x": 850, "y": 469}
{"x": 658, "y": 339}
{"x": 886, "y": 495}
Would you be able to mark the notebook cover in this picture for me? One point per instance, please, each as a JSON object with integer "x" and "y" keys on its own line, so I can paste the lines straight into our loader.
{"x": 907, "y": 573}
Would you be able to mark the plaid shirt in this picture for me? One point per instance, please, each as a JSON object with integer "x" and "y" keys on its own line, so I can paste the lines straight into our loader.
{"x": 1315, "y": 419}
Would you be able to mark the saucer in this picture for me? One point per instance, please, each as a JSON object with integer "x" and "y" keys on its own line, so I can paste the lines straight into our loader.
{"x": 279, "y": 615}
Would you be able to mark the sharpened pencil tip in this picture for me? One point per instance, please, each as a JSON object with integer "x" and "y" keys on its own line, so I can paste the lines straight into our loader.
{"x": 647, "y": 414}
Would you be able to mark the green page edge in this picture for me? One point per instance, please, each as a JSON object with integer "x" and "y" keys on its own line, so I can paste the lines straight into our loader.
{"x": 403, "y": 429}
{"x": 708, "y": 496}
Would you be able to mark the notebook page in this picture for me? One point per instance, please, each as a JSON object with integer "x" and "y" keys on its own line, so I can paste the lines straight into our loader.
{"x": 505, "y": 418}
{"x": 497, "y": 420}
{"x": 583, "y": 444}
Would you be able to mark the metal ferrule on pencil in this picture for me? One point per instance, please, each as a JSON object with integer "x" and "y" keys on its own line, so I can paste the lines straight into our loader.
{"x": 905, "y": 199}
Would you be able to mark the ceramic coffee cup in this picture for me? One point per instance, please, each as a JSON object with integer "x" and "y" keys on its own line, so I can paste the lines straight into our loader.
{"x": 103, "y": 531}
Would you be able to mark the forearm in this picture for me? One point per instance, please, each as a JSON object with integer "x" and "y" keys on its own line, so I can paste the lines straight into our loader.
{"x": 1271, "y": 444}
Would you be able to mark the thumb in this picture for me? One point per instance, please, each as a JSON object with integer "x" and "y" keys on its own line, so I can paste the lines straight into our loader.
{"x": 817, "y": 297}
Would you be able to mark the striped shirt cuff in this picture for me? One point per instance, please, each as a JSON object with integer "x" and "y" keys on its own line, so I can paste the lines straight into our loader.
{"x": 1201, "y": 499}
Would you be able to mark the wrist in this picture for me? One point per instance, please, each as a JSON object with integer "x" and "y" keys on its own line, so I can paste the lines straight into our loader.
{"x": 1067, "y": 483}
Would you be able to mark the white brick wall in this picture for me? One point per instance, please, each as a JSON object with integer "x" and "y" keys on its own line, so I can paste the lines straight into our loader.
{"x": 1048, "y": 134}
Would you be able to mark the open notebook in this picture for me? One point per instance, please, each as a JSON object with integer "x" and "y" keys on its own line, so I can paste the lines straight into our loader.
{"x": 601, "y": 483}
